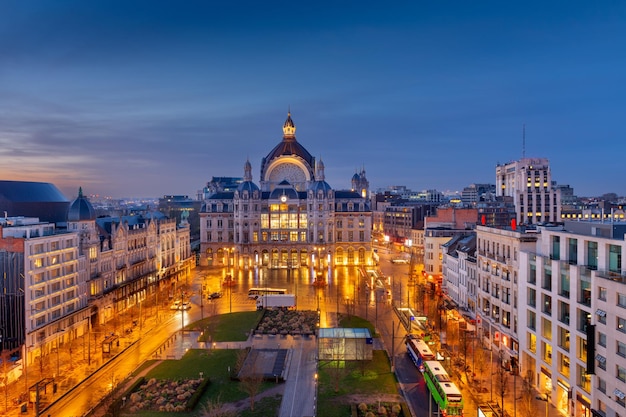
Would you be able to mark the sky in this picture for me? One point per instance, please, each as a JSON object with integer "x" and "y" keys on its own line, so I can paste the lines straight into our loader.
{"x": 148, "y": 98}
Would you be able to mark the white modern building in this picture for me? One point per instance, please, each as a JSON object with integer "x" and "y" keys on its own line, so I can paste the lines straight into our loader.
{"x": 573, "y": 322}
{"x": 529, "y": 182}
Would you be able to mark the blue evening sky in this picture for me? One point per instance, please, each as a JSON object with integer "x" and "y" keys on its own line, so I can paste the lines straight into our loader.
{"x": 145, "y": 98}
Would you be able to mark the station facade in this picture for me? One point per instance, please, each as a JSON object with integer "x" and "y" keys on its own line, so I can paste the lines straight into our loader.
{"x": 292, "y": 218}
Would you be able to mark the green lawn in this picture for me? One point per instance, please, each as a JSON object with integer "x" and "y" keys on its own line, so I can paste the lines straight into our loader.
{"x": 230, "y": 327}
{"x": 215, "y": 365}
{"x": 375, "y": 377}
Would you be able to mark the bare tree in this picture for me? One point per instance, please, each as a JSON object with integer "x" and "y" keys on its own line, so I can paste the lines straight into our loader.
{"x": 337, "y": 365}
{"x": 251, "y": 380}
{"x": 527, "y": 406}
{"x": 361, "y": 355}
{"x": 480, "y": 361}
{"x": 217, "y": 409}
{"x": 502, "y": 379}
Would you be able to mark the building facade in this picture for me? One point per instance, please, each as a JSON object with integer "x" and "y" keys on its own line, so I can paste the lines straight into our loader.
{"x": 497, "y": 259}
{"x": 292, "y": 218}
{"x": 529, "y": 182}
{"x": 60, "y": 282}
{"x": 574, "y": 325}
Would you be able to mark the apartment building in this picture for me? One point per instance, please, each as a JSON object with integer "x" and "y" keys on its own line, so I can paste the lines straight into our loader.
{"x": 53, "y": 282}
{"x": 573, "y": 322}
{"x": 498, "y": 257}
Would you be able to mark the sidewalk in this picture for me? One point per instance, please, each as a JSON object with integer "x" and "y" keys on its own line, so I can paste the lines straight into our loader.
{"x": 486, "y": 390}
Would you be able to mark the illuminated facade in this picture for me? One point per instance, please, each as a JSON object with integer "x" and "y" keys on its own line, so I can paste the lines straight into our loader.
{"x": 292, "y": 218}
{"x": 529, "y": 182}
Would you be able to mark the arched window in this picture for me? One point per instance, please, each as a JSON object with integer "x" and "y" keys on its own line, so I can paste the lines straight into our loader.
{"x": 339, "y": 256}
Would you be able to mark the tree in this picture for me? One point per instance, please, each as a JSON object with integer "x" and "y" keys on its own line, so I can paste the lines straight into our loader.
{"x": 502, "y": 378}
{"x": 361, "y": 355}
{"x": 217, "y": 409}
{"x": 480, "y": 361}
{"x": 251, "y": 381}
{"x": 527, "y": 406}
{"x": 336, "y": 366}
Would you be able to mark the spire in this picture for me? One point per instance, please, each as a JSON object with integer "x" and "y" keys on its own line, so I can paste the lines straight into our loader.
{"x": 247, "y": 171}
{"x": 289, "y": 128}
{"x": 80, "y": 192}
{"x": 319, "y": 170}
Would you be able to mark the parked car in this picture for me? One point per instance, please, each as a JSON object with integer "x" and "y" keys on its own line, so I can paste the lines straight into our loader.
{"x": 214, "y": 295}
{"x": 175, "y": 305}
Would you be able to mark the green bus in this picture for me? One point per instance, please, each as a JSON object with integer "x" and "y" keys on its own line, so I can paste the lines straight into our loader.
{"x": 445, "y": 392}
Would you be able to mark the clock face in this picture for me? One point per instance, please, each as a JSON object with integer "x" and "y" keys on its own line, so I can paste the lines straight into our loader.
{"x": 289, "y": 172}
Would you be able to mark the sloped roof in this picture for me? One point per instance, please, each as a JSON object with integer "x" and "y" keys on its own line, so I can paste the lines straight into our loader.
{"x": 30, "y": 192}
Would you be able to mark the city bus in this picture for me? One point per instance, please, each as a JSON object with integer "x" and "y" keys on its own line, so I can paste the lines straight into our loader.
{"x": 445, "y": 392}
{"x": 254, "y": 293}
{"x": 418, "y": 351}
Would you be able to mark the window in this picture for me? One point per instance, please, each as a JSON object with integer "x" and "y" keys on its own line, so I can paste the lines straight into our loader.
{"x": 532, "y": 342}
{"x": 564, "y": 336}
{"x": 602, "y": 293}
{"x": 621, "y": 300}
{"x": 621, "y": 349}
{"x": 532, "y": 320}
{"x": 621, "y": 373}
{"x": 592, "y": 255}
{"x": 615, "y": 259}
{"x": 547, "y": 352}
{"x": 547, "y": 304}
{"x": 573, "y": 251}
{"x": 546, "y": 325}
{"x": 602, "y": 385}
{"x": 602, "y": 339}
{"x": 621, "y": 324}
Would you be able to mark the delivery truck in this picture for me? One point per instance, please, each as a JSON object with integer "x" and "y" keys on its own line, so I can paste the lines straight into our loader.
{"x": 275, "y": 301}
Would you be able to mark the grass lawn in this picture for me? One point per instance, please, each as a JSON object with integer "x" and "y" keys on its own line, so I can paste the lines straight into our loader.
{"x": 214, "y": 364}
{"x": 230, "y": 327}
{"x": 356, "y": 322}
{"x": 375, "y": 377}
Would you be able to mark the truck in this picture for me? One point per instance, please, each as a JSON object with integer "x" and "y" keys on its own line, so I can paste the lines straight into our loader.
{"x": 276, "y": 301}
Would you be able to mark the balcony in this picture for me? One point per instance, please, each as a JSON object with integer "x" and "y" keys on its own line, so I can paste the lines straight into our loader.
{"x": 612, "y": 275}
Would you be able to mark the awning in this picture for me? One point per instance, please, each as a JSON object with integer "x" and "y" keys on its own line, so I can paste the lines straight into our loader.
{"x": 601, "y": 313}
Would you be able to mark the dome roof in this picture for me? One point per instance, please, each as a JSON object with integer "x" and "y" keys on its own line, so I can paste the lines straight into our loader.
{"x": 81, "y": 209}
{"x": 247, "y": 186}
{"x": 284, "y": 189}
{"x": 289, "y": 146}
{"x": 320, "y": 186}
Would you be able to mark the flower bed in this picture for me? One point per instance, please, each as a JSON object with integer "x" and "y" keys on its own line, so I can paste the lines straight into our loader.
{"x": 288, "y": 322}
{"x": 163, "y": 395}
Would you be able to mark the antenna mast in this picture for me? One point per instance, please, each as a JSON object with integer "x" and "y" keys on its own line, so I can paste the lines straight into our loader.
{"x": 524, "y": 140}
